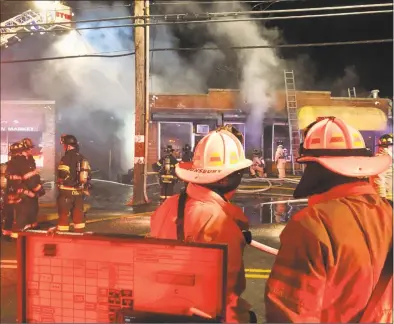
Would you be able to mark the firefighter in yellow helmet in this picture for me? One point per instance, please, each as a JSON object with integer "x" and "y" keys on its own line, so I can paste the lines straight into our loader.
{"x": 206, "y": 215}
{"x": 332, "y": 252}
{"x": 383, "y": 182}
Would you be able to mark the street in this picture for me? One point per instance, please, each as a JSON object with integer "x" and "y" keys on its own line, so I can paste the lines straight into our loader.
{"x": 108, "y": 214}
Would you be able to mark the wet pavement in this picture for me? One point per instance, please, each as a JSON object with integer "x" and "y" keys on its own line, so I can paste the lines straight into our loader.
{"x": 108, "y": 214}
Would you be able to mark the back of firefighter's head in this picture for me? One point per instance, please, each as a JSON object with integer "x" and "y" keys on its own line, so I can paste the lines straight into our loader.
{"x": 218, "y": 163}
{"x": 69, "y": 142}
{"x": 386, "y": 142}
{"x": 335, "y": 153}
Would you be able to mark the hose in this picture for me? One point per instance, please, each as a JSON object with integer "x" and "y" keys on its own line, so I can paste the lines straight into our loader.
{"x": 264, "y": 248}
{"x": 256, "y": 190}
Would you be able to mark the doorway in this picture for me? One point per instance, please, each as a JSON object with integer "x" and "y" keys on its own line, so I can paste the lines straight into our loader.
{"x": 177, "y": 134}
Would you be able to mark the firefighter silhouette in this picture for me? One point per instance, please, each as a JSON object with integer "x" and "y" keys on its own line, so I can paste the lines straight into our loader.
{"x": 166, "y": 169}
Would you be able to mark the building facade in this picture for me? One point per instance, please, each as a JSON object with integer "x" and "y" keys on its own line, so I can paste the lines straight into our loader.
{"x": 184, "y": 119}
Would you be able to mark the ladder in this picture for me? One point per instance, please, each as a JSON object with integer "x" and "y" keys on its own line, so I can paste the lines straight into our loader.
{"x": 351, "y": 92}
{"x": 31, "y": 17}
{"x": 294, "y": 131}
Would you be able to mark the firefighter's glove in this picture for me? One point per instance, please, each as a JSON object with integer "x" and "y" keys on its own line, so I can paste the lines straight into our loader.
{"x": 248, "y": 236}
{"x": 40, "y": 192}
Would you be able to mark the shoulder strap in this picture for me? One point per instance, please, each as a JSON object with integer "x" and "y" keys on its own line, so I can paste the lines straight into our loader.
{"x": 180, "y": 230}
{"x": 385, "y": 276}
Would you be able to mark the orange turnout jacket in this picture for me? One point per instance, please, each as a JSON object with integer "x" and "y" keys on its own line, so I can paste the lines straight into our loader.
{"x": 210, "y": 219}
{"x": 330, "y": 259}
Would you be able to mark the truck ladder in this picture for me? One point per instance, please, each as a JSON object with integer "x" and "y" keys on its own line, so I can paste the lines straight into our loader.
{"x": 294, "y": 131}
{"x": 29, "y": 17}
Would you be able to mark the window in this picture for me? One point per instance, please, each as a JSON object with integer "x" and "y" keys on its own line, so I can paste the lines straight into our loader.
{"x": 175, "y": 134}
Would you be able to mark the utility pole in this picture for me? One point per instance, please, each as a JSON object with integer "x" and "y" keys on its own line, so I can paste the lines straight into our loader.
{"x": 141, "y": 113}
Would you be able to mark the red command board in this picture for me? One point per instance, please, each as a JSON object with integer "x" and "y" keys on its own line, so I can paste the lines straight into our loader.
{"x": 75, "y": 278}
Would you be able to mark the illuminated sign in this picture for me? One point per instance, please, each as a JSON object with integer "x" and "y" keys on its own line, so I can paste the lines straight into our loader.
{"x": 18, "y": 129}
{"x": 73, "y": 278}
{"x": 63, "y": 15}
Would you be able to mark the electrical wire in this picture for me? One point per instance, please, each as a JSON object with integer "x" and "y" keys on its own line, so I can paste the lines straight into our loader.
{"x": 166, "y": 23}
{"x": 207, "y": 15}
{"x": 220, "y": 1}
{"x": 374, "y": 41}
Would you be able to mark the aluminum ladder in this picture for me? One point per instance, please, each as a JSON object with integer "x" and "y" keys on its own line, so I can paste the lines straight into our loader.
{"x": 352, "y": 92}
{"x": 294, "y": 131}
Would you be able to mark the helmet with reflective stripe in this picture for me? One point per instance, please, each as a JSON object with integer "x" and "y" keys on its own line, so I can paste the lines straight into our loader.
{"x": 386, "y": 140}
{"x": 216, "y": 156}
{"x": 68, "y": 140}
{"x": 16, "y": 148}
{"x": 340, "y": 148}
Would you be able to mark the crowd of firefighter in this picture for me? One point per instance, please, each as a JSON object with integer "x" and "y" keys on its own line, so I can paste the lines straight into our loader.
{"x": 21, "y": 187}
{"x": 335, "y": 262}
{"x": 166, "y": 165}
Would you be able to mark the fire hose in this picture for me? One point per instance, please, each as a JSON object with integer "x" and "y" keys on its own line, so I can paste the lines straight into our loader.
{"x": 259, "y": 246}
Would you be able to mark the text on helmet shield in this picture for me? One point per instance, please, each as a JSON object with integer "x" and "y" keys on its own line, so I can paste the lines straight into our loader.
{"x": 205, "y": 171}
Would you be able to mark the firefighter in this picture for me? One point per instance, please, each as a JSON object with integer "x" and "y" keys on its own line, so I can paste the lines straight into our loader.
{"x": 280, "y": 160}
{"x": 384, "y": 181}
{"x": 332, "y": 253}
{"x": 23, "y": 185}
{"x": 7, "y": 209}
{"x": 166, "y": 168}
{"x": 32, "y": 182}
{"x": 73, "y": 180}
{"x": 187, "y": 154}
{"x": 258, "y": 165}
{"x": 207, "y": 214}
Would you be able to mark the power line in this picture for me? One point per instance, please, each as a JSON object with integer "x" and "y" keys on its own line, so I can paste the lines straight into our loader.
{"x": 214, "y": 2}
{"x": 166, "y": 23}
{"x": 189, "y": 49}
{"x": 209, "y": 15}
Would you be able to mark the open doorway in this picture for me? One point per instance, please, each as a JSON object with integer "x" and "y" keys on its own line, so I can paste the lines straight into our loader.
{"x": 177, "y": 134}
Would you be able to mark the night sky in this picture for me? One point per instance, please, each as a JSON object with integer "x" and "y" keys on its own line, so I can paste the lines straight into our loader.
{"x": 373, "y": 63}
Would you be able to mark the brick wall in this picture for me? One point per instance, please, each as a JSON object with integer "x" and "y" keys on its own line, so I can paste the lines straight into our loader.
{"x": 222, "y": 100}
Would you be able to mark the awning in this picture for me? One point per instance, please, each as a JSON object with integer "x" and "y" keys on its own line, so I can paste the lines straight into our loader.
{"x": 361, "y": 118}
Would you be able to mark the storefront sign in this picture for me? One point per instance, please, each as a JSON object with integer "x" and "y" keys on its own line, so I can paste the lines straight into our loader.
{"x": 18, "y": 129}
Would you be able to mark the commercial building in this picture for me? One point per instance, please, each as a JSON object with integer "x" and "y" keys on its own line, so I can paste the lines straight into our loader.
{"x": 179, "y": 119}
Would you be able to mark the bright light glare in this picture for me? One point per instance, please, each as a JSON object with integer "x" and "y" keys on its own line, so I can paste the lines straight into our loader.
{"x": 45, "y": 5}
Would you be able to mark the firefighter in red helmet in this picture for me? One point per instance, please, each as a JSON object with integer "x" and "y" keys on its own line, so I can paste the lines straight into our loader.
{"x": 335, "y": 262}
{"x": 73, "y": 180}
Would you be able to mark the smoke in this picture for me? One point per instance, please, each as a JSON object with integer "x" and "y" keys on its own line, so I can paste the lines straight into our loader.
{"x": 257, "y": 71}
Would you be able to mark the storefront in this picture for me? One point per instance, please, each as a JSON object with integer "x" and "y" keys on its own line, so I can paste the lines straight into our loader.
{"x": 35, "y": 120}
{"x": 184, "y": 119}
